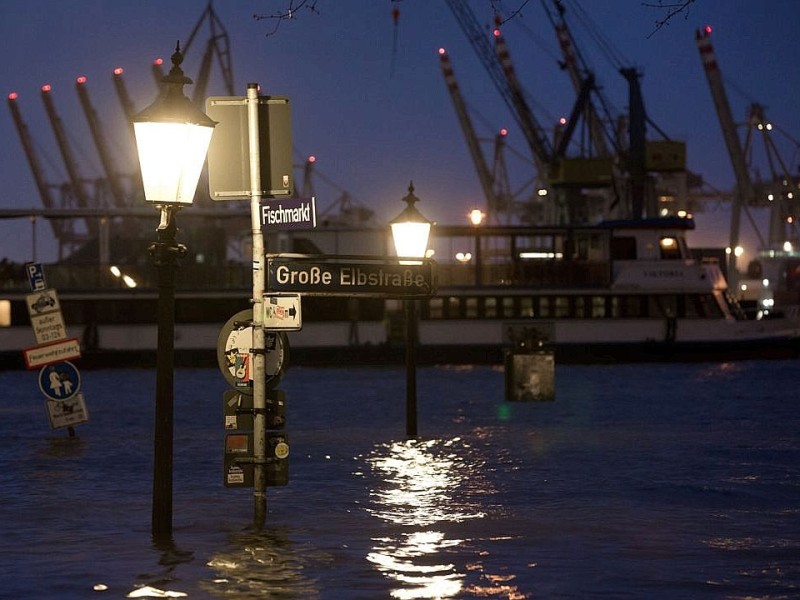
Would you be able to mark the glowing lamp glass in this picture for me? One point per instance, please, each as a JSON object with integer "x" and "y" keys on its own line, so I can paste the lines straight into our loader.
{"x": 171, "y": 157}
{"x": 411, "y": 238}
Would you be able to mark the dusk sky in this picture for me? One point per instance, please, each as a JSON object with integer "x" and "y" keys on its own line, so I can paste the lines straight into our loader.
{"x": 376, "y": 113}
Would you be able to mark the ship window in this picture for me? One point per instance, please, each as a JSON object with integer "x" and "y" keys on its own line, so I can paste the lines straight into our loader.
{"x": 490, "y": 308}
{"x": 615, "y": 302}
{"x": 580, "y": 307}
{"x": 5, "y": 313}
{"x": 544, "y": 307}
{"x": 664, "y": 306}
{"x": 623, "y": 248}
{"x": 526, "y": 306}
{"x": 598, "y": 307}
{"x": 436, "y": 308}
{"x": 702, "y": 306}
{"x": 669, "y": 248}
{"x": 562, "y": 307}
{"x": 453, "y": 308}
{"x": 508, "y": 307}
{"x": 632, "y": 306}
{"x": 471, "y": 308}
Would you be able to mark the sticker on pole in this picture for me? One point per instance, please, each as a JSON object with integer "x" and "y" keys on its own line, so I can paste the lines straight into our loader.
{"x": 59, "y": 381}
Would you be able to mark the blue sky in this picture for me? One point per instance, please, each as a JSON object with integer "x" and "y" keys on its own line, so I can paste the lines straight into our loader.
{"x": 377, "y": 115}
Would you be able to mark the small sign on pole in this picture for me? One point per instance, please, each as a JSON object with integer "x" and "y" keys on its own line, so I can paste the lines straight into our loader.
{"x": 67, "y": 413}
{"x": 35, "y": 274}
{"x": 282, "y": 312}
{"x": 60, "y": 381}
{"x": 47, "y": 354}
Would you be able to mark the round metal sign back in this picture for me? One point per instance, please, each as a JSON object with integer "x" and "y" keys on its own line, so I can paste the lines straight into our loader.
{"x": 235, "y": 353}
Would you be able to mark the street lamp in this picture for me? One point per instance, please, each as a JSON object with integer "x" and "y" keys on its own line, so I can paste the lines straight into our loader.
{"x": 476, "y": 216}
{"x": 410, "y": 232}
{"x": 172, "y": 138}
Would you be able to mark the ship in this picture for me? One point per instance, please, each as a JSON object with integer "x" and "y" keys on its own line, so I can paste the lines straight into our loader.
{"x": 618, "y": 291}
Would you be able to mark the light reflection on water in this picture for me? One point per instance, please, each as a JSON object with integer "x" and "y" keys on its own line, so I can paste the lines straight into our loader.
{"x": 261, "y": 565}
{"x": 426, "y": 488}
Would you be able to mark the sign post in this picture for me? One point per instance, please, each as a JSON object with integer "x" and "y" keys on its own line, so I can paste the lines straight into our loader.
{"x": 263, "y": 170}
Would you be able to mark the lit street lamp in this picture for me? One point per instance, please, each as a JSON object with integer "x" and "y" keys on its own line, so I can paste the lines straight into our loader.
{"x": 476, "y": 216}
{"x": 172, "y": 138}
{"x": 410, "y": 232}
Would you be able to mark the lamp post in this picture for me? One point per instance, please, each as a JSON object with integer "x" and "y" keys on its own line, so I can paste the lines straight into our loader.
{"x": 476, "y": 216}
{"x": 410, "y": 232}
{"x": 172, "y": 138}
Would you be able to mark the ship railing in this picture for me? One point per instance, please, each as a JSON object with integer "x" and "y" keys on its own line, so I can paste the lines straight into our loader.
{"x": 134, "y": 277}
{"x": 544, "y": 273}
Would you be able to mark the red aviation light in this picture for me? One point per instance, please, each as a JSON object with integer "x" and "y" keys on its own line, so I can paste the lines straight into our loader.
{"x": 118, "y": 71}
{"x": 496, "y": 32}
{"x": 13, "y": 96}
{"x": 47, "y": 87}
{"x": 312, "y": 159}
{"x": 81, "y": 80}
{"x": 504, "y": 132}
{"x": 158, "y": 61}
{"x": 562, "y": 121}
{"x": 442, "y": 51}
{"x": 708, "y": 29}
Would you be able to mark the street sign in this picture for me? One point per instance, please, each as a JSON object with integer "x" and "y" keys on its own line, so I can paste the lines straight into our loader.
{"x": 60, "y": 381}
{"x": 289, "y": 213}
{"x": 35, "y": 276}
{"x": 46, "y": 319}
{"x": 282, "y": 311}
{"x": 229, "y": 151}
{"x": 235, "y": 353}
{"x": 67, "y": 413}
{"x": 349, "y": 276}
{"x": 54, "y": 352}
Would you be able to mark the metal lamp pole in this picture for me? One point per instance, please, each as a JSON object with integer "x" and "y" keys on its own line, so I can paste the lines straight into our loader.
{"x": 411, "y": 368}
{"x": 172, "y": 138}
{"x": 166, "y": 253}
{"x": 410, "y": 232}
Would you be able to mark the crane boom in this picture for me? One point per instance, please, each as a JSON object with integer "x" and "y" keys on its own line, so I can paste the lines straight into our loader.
{"x": 218, "y": 45}
{"x": 512, "y": 95}
{"x": 539, "y": 144}
{"x": 572, "y": 58}
{"x": 30, "y": 153}
{"x": 484, "y": 175}
{"x": 112, "y": 174}
{"x": 76, "y": 180}
{"x": 744, "y": 186}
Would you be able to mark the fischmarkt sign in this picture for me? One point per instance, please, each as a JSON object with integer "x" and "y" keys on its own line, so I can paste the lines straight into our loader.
{"x": 328, "y": 275}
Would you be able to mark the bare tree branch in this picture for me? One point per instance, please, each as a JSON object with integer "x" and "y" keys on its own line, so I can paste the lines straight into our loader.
{"x": 672, "y": 8}
{"x": 289, "y": 13}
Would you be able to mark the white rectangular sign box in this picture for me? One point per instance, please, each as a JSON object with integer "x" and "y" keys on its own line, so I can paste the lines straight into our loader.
{"x": 67, "y": 412}
{"x": 46, "y": 319}
{"x": 48, "y": 354}
{"x": 282, "y": 312}
{"x": 49, "y": 327}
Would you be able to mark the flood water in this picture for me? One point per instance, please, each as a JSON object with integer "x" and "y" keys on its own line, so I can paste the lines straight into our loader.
{"x": 638, "y": 481}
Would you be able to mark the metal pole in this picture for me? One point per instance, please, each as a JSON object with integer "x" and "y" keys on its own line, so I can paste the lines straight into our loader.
{"x": 166, "y": 253}
{"x": 259, "y": 358}
{"x": 411, "y": 368}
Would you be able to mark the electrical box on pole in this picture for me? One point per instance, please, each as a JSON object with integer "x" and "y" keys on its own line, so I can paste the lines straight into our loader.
{"x": 229, "y": 153}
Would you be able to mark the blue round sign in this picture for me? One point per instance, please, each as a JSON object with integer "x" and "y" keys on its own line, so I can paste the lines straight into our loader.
{"x": 59, "y": 381}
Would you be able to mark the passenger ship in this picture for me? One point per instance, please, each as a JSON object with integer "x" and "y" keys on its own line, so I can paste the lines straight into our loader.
{"x": 616, "y": 291}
